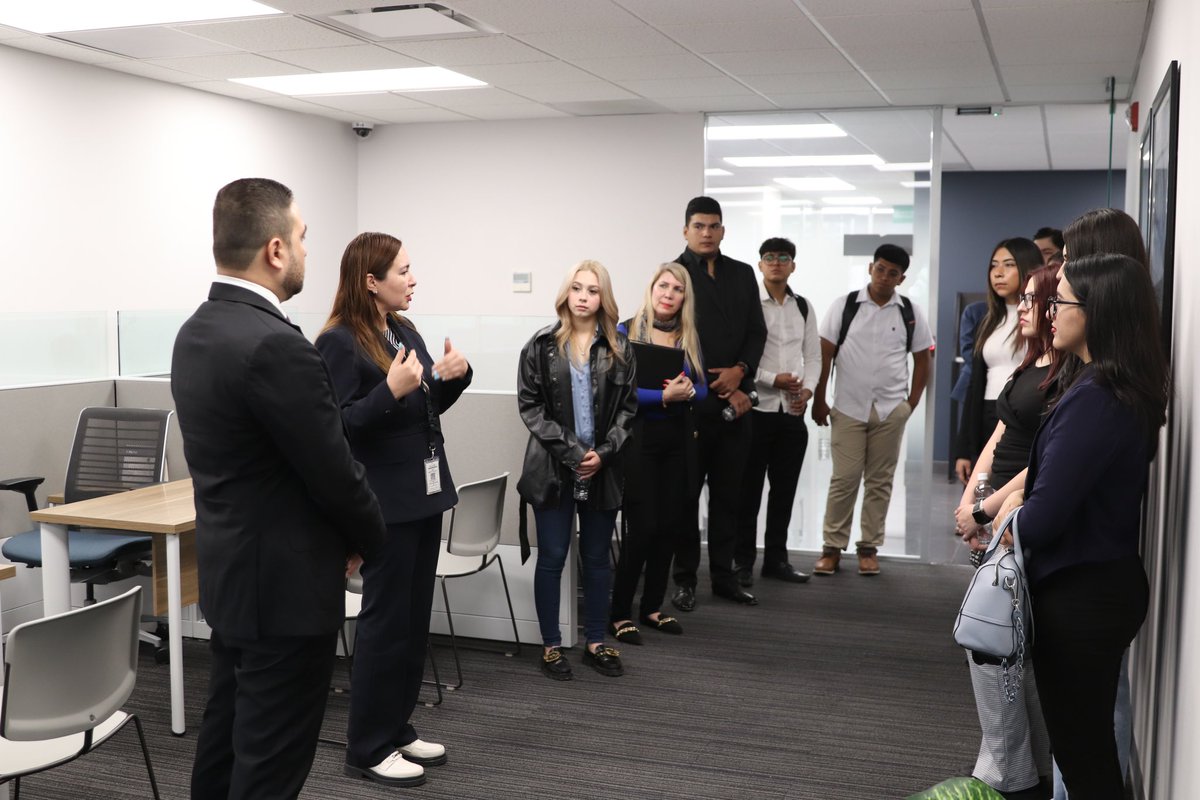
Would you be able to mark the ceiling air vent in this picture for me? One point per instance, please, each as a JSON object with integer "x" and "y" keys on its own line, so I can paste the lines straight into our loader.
{"x": 405, "y": 22}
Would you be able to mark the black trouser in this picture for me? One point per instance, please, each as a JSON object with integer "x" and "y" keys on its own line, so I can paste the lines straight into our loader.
{"x": 266, "y": 699}
{"x": 1084, "y": 618}
{"x": 776, "y": 452}
{"x": 390, "y": 640}
{"x": 657, "y": 508}
{"x": 723, "y": 447}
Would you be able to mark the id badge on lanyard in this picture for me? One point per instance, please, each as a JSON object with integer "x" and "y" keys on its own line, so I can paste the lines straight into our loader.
{"x": 433, "y": 470}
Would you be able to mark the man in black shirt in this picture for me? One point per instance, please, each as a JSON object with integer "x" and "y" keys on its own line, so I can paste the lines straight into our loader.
{"x": 732, "y": 332}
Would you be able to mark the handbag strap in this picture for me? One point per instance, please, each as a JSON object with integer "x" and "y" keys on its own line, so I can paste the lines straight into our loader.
{"x": 1009, "y": 524}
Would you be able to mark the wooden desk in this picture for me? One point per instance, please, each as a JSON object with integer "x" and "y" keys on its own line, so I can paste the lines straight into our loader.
{"x": 166, "y": 512}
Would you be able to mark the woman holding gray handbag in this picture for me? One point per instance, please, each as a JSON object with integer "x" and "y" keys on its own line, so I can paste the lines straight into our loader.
{"x": 1081, "y": 519}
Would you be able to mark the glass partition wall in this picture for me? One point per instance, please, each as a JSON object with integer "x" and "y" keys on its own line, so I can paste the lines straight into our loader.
{"x": 838, "y": 184}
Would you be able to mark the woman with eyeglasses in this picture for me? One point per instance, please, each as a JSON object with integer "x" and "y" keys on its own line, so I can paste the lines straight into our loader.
{"x": 1081, "y": 517}
{"x": 999, "y": 349}
{"x": 660, "y": 465}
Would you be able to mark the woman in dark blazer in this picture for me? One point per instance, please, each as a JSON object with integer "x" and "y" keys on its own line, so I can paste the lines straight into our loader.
{"x": 391, "y": 392}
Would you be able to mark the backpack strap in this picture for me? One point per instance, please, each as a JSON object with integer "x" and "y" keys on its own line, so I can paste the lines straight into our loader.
{"x": 910, "y": 321}
{"x": 848, "y": 314}
{"x": 801, "y": 303}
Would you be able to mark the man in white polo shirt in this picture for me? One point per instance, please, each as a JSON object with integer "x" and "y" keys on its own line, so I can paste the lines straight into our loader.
{"x": 870, "y": 334}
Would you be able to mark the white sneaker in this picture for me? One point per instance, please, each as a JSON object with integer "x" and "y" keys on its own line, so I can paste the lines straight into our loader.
{"x": 393, "y": 771}
{"x": 427, "y": 753}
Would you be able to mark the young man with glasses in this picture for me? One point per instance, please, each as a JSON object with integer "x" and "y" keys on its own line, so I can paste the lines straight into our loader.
{"x": 786, "y": 376}
{"x": 871, "y": 334}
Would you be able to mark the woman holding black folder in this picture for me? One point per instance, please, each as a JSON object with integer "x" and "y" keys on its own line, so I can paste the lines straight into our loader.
{"x": 660, "y": 464}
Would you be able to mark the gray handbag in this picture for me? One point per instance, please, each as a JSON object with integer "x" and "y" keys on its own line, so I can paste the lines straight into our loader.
{"x": 996, "y": 618}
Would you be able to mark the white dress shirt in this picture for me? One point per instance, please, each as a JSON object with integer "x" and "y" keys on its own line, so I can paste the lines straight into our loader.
{"x": 998, "y": 354}
{"x": 793, "y": 345}
{"x": 872, "y": 364}
{"x": 257, "y": 288}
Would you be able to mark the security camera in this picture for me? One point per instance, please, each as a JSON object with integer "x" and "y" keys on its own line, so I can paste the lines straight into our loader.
{"x": 362, "y": 129}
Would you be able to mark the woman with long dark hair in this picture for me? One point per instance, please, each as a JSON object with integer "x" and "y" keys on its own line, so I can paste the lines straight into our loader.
{"x": 576, "y": 395}
{"x": 392, "y": 393}
{"x": 660, "y": 462}
{"x": 1081, "y": 517}
{"x": 999, "y": 348}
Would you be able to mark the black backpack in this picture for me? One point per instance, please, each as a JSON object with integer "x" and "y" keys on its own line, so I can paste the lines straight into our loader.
{"x": 801, "y": 303}
{"x": 851, "y": 308}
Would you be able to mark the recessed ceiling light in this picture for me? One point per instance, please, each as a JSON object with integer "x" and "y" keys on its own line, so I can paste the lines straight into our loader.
{"x": 738, "y": 189}
{"x": 413, "y": 79}
{"x": 868, "y": 160}
{"x": 86, "y": 15}
{"x": 823, "y": 130}
{"x": 716, "y": 172}
{"x": 905, "y": 166}
{"x": 851, "y": 200}
{"x": 816, "y": 184}
{"x": 916, "y": 184}
{"x": 859, "y": 211}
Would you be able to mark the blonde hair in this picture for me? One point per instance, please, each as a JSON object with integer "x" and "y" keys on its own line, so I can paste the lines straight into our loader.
{"x": 686, "y": 336}
{"x": 606, "y": 315}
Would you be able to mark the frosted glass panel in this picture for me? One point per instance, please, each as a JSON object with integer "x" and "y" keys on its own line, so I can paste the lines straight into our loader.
{"x": 145, "y": 340}
{"x": 50, "y": 346}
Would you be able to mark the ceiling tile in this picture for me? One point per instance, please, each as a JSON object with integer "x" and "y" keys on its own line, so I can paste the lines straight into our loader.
{"x": 535, "y": 72}
{"x": 368, "y": 105}
{"x": 467, "y": 99}
{"x": 304, "y": 107}
{"x": 517, "y": 111}
{"x": 603, "y": 43}
{"x": 1070, "y": 20}
{"x": 60, "y": 49}
{"x": 686, "y": 87}
{"x": 865, "y": 33}
{"x": 819, "y": 100}
{"x": 682, "y": 65}
{"x": 346, "y": 59}
{"x": 947, "y": 55}
{"x": 675, "y": 12}
{"x": 230, "y": 89}
{"x": 1065, "y": 93}
{"x": 12, "y": 33}
{"x": 468, "y": 51}
{"x": 147, "y": 70}
{"x": 778, "y": 62}
{"x": 235, "y": 65}
{"x": 573, "y": 92}
{"x": 309, "y": 7}
{"x": 816, "y": 82}
{"x": 718, "y": 104}
{"x": 887, "y": 79}
{"x": 271, "y": 33}
{"x": 732, "y": 37}
{"x": 1029, "y": 50}
{"x": 1041, "y": 74}
{"x": 422, "y": 115}
{"x": 148, "y": 42}
{"x": 537, "y": 16}
{"x": 853, "y": 8}
{"x": 948, "y": 96}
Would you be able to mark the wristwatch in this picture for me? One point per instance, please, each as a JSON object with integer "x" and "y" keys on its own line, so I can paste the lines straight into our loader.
{"x": 979, "y": 515}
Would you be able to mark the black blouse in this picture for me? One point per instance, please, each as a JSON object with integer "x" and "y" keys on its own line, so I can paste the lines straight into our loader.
{"x": 1020, "y": 407}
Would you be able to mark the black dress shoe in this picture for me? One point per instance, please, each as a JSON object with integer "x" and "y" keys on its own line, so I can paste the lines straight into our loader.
{"x": 736, "y": 594}
{"x": 785, "y": 572}
{"x": 684, "y": 598}
{"x": 745, "y": 576}
{"x": 605, "y": 660}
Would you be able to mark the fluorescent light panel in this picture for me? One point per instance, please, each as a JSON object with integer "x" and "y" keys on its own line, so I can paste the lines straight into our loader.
{"x": 716, "y": 172}
{"x": 816, "y": 184}
{"x": 858, "y": 211}
{"x": 905, "y": 166}
{"x": 725, "y": 133}
{"x": 851, "y": 200}
{"x": 414, "y": 79}
{"x": 867, "y": 160}
{"x": 44, "y": 16}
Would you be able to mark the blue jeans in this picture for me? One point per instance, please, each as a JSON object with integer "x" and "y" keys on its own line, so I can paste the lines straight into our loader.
{"x": 1122, "y": 725}
{"x": 554, "y": 544}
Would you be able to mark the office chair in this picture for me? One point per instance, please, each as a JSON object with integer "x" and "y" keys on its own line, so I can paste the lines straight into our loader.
{"x": 115, "y": 450}
{"x": 66, "y": 677}
{"x": 470, "y": 548}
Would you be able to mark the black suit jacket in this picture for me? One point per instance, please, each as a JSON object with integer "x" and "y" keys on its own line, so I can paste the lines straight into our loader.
{"x": 280, "y": 501}
{"x": 392, "y": 437}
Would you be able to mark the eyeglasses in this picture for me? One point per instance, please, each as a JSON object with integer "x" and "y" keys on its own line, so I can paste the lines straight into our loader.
{"x": 777, "y": 258}
{"x": 1026, "y": 300}
{"x": 1054, "y": 302}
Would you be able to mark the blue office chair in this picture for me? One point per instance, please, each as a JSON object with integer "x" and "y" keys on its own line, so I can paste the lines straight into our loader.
{"x": 115, "y": 450}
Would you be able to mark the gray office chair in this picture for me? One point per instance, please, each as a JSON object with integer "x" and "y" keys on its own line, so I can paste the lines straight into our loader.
{"x": 115, "y": 450}
{"x": 470, "y": 548}
{"x": 66, "y": 677}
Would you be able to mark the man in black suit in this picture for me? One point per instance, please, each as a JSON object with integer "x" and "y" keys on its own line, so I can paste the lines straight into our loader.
{"x": 282, "y": 508}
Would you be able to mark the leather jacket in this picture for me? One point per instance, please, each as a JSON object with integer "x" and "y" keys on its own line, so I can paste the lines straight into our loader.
{"x": 545, "y": 404}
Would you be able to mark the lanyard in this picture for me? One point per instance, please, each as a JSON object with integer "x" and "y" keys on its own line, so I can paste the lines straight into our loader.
{"x": 432, "y": 424}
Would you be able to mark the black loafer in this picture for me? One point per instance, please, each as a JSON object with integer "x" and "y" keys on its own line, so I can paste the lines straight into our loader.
{"x": 665, "y": 624}
{"x": 555, "y": 665}
{"x": 736, "y": 594}
{"x": 626, "y": 634}
{"x": 784, "y": 571}
{"x": 684, "y": 598}
{"x": 605, "y": 660}
{"x": 745, "y": 576}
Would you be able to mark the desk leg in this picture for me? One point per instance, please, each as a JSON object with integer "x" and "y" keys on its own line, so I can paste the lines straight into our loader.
{"x": 175, "y": 637}
{"x": 56, "y": 570}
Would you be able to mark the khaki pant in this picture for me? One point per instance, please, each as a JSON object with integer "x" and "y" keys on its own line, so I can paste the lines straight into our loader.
{"x": 866, "y": 452}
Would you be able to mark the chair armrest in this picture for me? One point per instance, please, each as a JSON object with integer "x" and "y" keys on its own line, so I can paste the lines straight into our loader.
{"x": 25, "y": 486}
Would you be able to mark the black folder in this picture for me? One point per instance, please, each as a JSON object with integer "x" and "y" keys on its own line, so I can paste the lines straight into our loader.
{"x": 656, "y": 364}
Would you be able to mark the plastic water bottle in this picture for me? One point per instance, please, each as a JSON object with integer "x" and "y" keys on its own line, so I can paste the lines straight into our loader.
{"x": 983, "y": 490}
{"x": 729, "y": 414}
{"x": 824, "y": 446}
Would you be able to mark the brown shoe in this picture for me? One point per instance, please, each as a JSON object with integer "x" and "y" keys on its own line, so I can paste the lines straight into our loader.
{"x": 829, "y": 561}
{"x": 868, "y": 561}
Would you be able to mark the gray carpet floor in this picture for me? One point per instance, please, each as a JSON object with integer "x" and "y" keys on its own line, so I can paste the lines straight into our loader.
{"x": 844, "y": 688}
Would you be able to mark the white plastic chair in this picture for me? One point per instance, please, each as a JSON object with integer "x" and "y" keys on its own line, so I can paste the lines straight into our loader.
{"x": 470, "y": 547}
{"x": 66, "y": 677}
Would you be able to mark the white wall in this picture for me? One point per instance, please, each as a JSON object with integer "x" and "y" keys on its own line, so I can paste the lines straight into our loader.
{"x": 476, "y": 202}
{"x": 1177, "y": 770}
{"x": 108, "y": 183}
